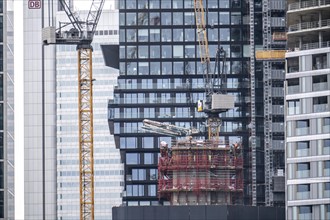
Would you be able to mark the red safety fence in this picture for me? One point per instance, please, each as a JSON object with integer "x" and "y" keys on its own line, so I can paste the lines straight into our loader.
{"x": 199, "y": 184}
{"x": 178, "y": 162}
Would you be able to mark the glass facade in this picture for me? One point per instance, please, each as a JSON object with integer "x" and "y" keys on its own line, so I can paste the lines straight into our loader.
{"x": 161, "y": 78}
{"x": 108, "y": 170}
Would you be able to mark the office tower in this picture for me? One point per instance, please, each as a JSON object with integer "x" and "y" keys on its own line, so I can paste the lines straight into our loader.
{"x": 161, "y": 78}
{"x": 7, "y": 192}
{"x": 108, "y": 170}
{"x": 39, "y": 114}
{"x": 307, "y": 110}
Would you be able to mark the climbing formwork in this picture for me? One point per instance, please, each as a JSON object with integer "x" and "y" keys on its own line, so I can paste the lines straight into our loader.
{"x": 201, "y": 172}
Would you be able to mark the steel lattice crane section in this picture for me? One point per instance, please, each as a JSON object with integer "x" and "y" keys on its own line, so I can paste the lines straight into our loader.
{"x": 81, "y": 33}
{"x": 86, "y": 159}
{"x": 215, "y": 102}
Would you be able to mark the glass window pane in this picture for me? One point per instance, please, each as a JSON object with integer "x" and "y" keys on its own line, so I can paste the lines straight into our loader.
{"x": 166, "y": 4}
{"x": 166, "y": 18}
{"x": 154, "y": 35}
{"x": 154, "y": 18}
{"x": 177, "y": 4}
{"x": 148, "y": 158}
{"x": 155, "y": 51}
{"x": 235, "y": 3}
{"x": 142, "y": 4}
{"x": 122, "y": 19}
{"x": 166, "y": 51}
{"x": 235, "y": 18}
{"x": 154, "y": 4}
{"x": 143, "y": 35}
{"x": 178, "y": 18}
{"x": 131, "y": 4}
{"x": 189, "y": 18}
{"x": 143, "y": 18}
{"x": 147, "y": 142}
{"x": 143, "y": 68}
{"x": 213, "y": 18}
{"x": 131, "y": 68}
{"x": 178, "y": 68}
{"x": 155, "y": 68}
{"x": 212, "y": 3}
{"x": 131, "y": 35}
{"x": 224, "y": 18}
{"x": 131, "y": 52}
{"x": 177, "y": 35}
{"x": 143, "y": 52}
{"x": 224, "y": 34}
{"x": 131, "y": 18}
{"x": 224, "y": 3}
{"x": 190, "y": 34}
{"x": 166, "y": 68}
{"x": 190, "y": 51}
{"x": 178, "y": 51}
{"x": 166, "y": 35}
{"x": 132, "y": 158}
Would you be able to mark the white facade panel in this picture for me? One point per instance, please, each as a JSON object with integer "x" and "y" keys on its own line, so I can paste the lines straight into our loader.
{"x": 39, "y": 98}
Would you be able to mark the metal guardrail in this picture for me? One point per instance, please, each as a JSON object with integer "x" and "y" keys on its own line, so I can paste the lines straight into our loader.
{"x": 307, "y": 4}
{"x": 310, "y": 46}
{"x": 309, "y": 25}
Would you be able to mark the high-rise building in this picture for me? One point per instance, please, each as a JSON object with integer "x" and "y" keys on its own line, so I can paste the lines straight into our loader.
{"x": 161, "y": 78}
{"x": 39, "y": 113}
{"x": 307, "y": 110}
{"x": 108, "y": 170}
{"x": 7, "y": 192}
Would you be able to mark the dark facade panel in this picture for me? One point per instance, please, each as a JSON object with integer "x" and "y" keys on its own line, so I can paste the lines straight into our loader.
{"x": 111, "y": 55}
{"x": 202, "y": 212}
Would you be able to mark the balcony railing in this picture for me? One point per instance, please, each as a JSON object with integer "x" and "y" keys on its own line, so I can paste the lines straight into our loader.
{"x": 302, "y": 152}
{"x": 303, "y": 195}
{"x": 309, "y": 25}
{"x": 320, "y": 86}
{"x": 320, "y": 108}
{"x": 302, "y": 174}
{"x": 293, "y": 89}
{"x": 307, "y": 4}
{"x": 302, "y": 131}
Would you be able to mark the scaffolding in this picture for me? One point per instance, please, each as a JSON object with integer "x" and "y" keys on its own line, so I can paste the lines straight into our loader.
{"x": 200, "y": 172}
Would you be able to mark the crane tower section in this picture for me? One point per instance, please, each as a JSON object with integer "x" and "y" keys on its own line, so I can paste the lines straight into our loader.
{"x": 81, "y": 33}
{"x": 216, "y": 100}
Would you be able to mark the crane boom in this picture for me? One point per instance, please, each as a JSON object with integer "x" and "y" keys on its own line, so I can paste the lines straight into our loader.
{"x": 81, "y": 33}
{"x": 167, "y": 129}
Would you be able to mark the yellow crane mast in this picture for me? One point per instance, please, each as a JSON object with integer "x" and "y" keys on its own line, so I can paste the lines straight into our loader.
{"x": 80, "y": 33}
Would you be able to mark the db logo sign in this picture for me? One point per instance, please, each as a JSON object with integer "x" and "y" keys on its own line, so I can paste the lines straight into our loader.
{"x": 34, "y": 4}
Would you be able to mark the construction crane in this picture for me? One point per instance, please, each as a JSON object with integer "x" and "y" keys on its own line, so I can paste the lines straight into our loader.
{"x": 81, "y": 33}
{"x": 217, "y": 100}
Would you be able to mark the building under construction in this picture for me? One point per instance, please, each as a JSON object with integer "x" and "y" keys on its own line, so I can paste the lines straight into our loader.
{"x": 195, "y": 172}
